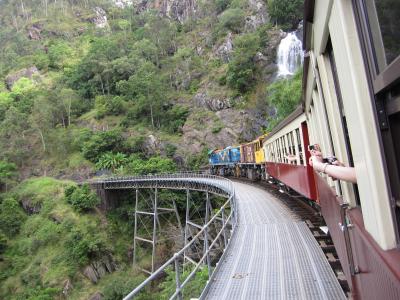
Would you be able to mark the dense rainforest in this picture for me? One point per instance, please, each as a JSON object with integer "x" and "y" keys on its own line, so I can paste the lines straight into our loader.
{"x": 101, "y": 87}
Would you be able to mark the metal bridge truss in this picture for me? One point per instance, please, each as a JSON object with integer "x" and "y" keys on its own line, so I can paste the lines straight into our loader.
{"x": 206, "y": 234}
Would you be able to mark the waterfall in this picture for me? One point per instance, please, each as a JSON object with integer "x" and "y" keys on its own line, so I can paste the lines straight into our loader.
{"x": 290, "y": 55}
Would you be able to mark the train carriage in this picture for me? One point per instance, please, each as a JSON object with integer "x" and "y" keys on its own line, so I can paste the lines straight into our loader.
{"x": 351, "y": 108}
{"x": 252, "y": 158}
{"x": 286, "y": 155}
{"x": 351, "y": 99}
{"x": 223, "y": 161}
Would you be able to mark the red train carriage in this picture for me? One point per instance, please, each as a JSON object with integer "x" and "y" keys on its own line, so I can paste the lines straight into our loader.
{"x": 286, "y": 155}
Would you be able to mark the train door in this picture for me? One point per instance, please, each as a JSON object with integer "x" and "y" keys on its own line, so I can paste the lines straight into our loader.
{"x": 310, "y": 172}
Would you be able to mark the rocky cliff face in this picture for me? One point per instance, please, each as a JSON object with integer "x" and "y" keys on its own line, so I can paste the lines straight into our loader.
{"x": 179, "y": 10}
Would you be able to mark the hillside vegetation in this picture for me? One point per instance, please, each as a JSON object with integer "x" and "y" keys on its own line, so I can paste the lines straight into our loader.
{"x": 92, "y": 87}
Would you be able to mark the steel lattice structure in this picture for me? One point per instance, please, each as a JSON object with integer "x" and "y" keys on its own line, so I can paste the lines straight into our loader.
{"x": 214, "y": 233}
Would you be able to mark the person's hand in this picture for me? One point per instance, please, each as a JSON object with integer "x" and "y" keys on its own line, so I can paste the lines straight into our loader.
{"x": 316, "y": 156}
{"x": 315, "y": 159}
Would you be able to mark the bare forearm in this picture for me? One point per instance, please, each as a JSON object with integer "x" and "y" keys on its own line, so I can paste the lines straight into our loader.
{"x": 342, "y": 173}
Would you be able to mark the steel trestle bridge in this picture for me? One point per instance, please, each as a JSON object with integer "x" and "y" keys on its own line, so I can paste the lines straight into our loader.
{"x": 266, "y": 252}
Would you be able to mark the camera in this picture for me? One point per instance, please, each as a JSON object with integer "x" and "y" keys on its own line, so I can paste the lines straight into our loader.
{"x": 330, "y": 160}
{"x": 315, "y": 147}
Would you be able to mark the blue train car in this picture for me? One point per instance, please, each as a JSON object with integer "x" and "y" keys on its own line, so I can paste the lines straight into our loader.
{"x": 223, "y": 162}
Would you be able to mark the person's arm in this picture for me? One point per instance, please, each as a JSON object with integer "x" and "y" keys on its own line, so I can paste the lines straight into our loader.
{"x": 339, "y": 172}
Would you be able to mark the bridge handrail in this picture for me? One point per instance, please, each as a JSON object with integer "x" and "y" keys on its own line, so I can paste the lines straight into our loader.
{"x": 227, "y": 184}
{"x": 231, "y": 218}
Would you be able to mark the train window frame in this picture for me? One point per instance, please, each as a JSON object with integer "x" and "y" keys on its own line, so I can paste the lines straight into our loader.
{"x": 384, "y": 88}
{"x": 331, "y": 56}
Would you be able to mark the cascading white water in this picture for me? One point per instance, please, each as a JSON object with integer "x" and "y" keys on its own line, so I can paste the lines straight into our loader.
{"x": 290, "y": 55}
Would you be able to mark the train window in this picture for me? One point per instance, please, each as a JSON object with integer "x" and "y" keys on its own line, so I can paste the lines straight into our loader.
{"x": 299, "y": 145}
{"x": 342, "y": 114}
{"x": 284, "y": 149}
{"x": 384, "y": 24}
{"x": 378, "y": 24}
{"x": 292, "y": 142}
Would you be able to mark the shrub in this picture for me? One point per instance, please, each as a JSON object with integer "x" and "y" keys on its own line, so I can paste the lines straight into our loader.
{"x": 241, "y": 72}
{"x": 102, "y": 142}
{"x": 232, "y": 19}
{"x": 7, "y": 172}
{"x": 81, "y": 198}
{"x": 176, "y": 118}
{"x": 170, "y": 150}
{"x": 85, "y": 244}
{"x": 111, "y": 161}
{"x": 119, "y": 287}
{"x": 3, "y": 243}
{"x": 221, "y": 5}
{"x": 151, "y": 166}
{"x": 109, "y": 106}
{"x": 287, "y": 13}
{"x": 284, "y": 95}
{"x": 11, "y": 216}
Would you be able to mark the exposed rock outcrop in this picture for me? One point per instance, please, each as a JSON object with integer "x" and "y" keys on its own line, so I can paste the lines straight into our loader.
{"x": 179, "y": 10}
{"x": 237, "y": 125}
{"x": 67, "y": 287}
{"x": 151, "y": 145}
{"x": 30, "y": 207}
{"x": 14, "y": 77}
{"x": 97, "y": 269}
{"x": 96, "y": 296}
{"x": 202, "y": 99}
{"x": 100, "y": 20}
{"x": 258, "y": 17}
{"x": 224, "y": 51}
{"x": 34, "y": 32}
{"x": 123, "y": 3}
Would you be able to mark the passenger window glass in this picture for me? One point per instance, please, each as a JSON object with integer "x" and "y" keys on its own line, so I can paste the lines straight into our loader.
{"x": 384, "y": 21}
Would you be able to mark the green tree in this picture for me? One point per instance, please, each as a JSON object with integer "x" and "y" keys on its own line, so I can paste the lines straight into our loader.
{"x": 81, "y": 198}
{"x": 285, "y": 96}
{"x": 102, "y": 142}
{"x": 59, "y": 53}
{"x": 241, "y": 73}
{"x": 146, "y": 88}
{"x": 14, "y": 144}
{"x": 7, "y": 172}
{"x": 232, "y": 19}
{"x": 11, "y": 217}
{"x": 287, "y": 13}
{"x": 109, "y": 105}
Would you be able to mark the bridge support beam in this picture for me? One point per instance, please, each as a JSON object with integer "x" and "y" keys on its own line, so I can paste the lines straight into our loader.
{"x": 147, "y": 222}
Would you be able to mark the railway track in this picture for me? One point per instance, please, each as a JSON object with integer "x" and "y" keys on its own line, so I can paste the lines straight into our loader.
{"x": 308, "y": 212}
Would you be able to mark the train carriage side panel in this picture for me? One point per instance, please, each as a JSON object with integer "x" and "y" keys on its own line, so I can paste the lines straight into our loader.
{"x": 235, "y": 154}
{"x": 247, "y": 153}
{"x": 297, "y": 175}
